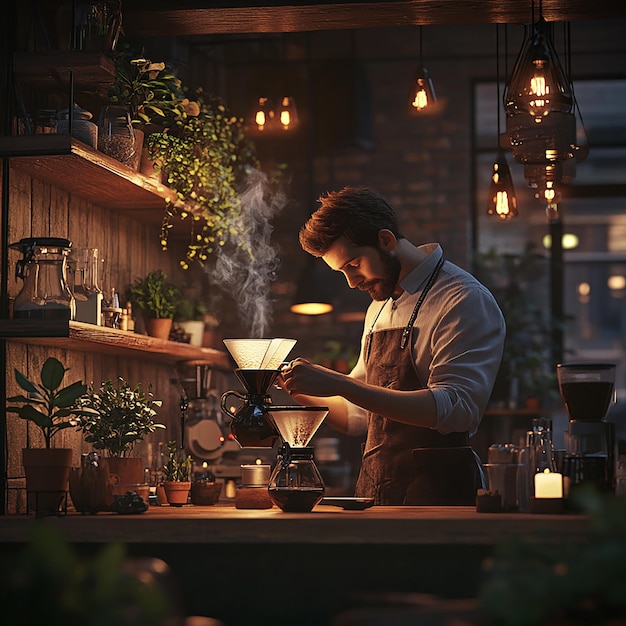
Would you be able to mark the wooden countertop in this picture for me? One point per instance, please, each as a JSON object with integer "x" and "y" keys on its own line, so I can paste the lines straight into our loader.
{"x": 224, "y": 524}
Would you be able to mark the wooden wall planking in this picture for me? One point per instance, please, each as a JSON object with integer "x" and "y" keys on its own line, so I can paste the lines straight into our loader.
{"x": 130, "y": 249}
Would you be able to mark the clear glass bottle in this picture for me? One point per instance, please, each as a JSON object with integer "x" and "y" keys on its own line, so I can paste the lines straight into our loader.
{"x": 540, "y": 450}
{"x": 45, "y": 294}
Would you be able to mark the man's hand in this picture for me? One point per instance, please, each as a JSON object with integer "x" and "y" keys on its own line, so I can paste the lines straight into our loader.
{"x": 302, "y": 377}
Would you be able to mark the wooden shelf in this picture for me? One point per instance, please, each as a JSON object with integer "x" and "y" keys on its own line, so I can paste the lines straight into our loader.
{"x": 74, "y": 166}
{"x": 102, "y": 340}
{"x": 93, "y": 71}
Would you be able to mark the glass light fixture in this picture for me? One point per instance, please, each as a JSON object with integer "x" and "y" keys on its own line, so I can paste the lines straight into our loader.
{"x": 287, "y": 113}
{"x": 502, "y": 199}
{"x": 263, "y": 115}
{"x": 422, "y": 94}
{"x": 538, "y": 84}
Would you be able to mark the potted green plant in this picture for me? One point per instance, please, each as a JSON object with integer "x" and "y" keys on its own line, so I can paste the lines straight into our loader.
{"x": 151, "y": 93}
{"x": 51, "y": 408}
{"x": 119, "y": 417}
{"x": 157, "y": 299}
{"x": 177, "y": 475}
{"x": 205, "y": 159}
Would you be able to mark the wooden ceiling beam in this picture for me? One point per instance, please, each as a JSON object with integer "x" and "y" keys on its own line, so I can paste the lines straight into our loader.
{"x": 187, "y": 17}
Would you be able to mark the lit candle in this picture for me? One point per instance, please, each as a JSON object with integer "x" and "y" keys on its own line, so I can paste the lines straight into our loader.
{"x": 548, "y": 485}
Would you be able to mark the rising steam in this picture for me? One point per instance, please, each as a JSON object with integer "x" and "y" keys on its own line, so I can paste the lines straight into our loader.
{"x": 247, "y": 275}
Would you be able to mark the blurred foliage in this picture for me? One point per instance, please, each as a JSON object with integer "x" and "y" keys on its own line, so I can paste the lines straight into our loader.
{"x": 49, "y": 583}
{"x": 530, "y": 582}
{"x": 517, "y": 281}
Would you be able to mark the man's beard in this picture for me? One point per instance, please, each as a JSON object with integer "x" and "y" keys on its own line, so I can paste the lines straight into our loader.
{"x": 383, "y": 288}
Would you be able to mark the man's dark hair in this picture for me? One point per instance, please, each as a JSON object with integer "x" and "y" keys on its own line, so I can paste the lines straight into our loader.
{"x": 356, "y": 213}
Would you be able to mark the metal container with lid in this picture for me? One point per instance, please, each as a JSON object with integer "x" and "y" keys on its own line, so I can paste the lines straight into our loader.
{"x": 45, "y": 294}
{"x": 252, "y": 493}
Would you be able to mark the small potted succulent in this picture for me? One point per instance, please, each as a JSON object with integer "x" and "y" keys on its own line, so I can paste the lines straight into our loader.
{"x": 157, "y": 299}
{"x": 51, "y": 408}
{"x": 119, "y": 417}
{"x": 177, "y": 475}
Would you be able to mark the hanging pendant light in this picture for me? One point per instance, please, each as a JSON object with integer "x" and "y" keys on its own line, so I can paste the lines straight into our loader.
{"x": 422, "y": 94}
{"x": 313, "y": 294}
{"x": 287, "y": 113}
{"x": 263, "y": 115}
{"x": 502, "y": 199}
{"x": 538, "y": 85}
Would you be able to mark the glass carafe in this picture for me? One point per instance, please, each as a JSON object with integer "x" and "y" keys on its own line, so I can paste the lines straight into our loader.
{"x": 45, "y": 294}
{"x": 296, "y": 485}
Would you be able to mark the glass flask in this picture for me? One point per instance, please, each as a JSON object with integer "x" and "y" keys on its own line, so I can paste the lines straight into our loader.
{"x": 296, "y": 485}
{"x": 45, "y": 294}
{"x": 251, "y": 425}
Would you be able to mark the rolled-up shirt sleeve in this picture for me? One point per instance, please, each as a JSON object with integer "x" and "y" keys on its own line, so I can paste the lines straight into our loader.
{"x": 466, "y": 347}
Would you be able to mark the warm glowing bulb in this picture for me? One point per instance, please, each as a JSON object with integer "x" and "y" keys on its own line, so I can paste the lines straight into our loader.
{"x": 260, "y": 119}
{"x": 502, "y": 201}
{"x": 422, "y": 94}
{"x": 421, "y": 99}
{"x": 584, "y": 289}
{"x": 616, "y": 282}
{"x": 311, "y": 308}
{"x": 285, "y": 119}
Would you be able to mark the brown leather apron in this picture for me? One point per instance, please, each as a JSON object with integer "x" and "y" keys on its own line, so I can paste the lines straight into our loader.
{"x": 405, "y": 464}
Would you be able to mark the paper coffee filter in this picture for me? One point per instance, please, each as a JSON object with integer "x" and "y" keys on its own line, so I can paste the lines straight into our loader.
{"x": 277, "y": 353}
{"x": 259, "y": 353}
{"x": 297, "y": 424}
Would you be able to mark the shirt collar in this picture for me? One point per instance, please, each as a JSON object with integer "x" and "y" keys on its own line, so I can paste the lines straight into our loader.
{"x": 416, "y": 278}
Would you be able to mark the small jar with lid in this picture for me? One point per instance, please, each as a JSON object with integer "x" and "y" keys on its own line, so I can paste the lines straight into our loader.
{"x": 82, "y": 127}
{"x": 252, "y": 493}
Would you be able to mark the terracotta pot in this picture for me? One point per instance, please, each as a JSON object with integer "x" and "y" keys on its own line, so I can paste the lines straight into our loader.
{"x": 89, "y": 489}
{"x": 47, "y": 475}
{"x": 177, "y": 493}
{"x": 159, "y": 327}
{"x": 204, "y": 493}
{"x": 124, "y": 470}
{"x": 124, "y": 473}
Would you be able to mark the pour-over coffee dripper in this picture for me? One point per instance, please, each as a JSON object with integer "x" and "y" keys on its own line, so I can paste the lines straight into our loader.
{"x": 258, "y": 363}
{"x": 259, "y": 354}
{"x": 296, "y": 485}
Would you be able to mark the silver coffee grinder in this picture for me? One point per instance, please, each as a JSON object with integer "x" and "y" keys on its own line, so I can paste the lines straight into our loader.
{"x": 588, "y": 391}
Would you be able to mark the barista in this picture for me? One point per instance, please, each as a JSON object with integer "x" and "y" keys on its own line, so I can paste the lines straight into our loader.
{"x": 430, "y": 350}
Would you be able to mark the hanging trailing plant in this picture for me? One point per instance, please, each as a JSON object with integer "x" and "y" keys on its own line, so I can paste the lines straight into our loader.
{"x": 205, "y": 159}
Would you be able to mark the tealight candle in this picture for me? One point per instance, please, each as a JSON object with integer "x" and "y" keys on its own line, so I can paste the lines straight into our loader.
{"x": 548, "y": 484}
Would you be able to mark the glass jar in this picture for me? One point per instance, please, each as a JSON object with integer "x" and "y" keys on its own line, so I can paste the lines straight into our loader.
{"x": 83, "y": 128}
{"x": 45, "y": 294}
{"x": 116, "y": 136}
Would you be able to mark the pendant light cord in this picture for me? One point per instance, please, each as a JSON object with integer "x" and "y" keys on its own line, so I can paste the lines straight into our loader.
{"x": 498, "y": 84}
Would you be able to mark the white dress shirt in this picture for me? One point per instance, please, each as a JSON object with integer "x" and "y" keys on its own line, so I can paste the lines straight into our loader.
{"x": 457, "y": 341}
